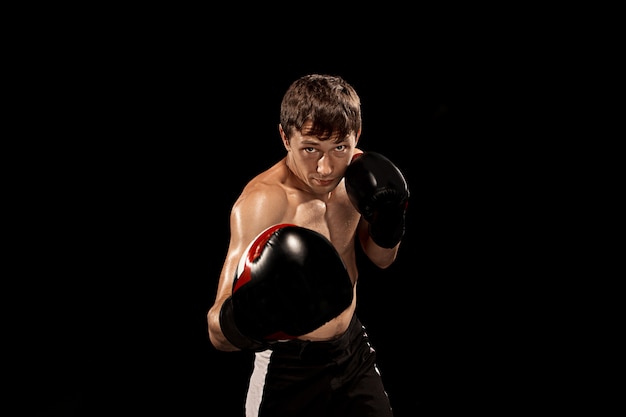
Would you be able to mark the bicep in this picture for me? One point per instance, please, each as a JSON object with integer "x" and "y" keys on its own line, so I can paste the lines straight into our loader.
{"x": 251, "y": 214}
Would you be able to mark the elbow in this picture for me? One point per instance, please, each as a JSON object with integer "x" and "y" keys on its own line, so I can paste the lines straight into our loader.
{"x": 383, "y": 258}
{"x": 212, "y": 330}
{"x": 385, "y": 264}
{"x": 384, "y": 261}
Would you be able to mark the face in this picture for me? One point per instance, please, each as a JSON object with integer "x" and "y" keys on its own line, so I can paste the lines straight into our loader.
{"x": 320, "y": 164}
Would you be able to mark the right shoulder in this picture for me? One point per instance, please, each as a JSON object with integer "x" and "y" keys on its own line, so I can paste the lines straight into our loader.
{"x": 261, "y": 204}
{"x": 259, "y": 197}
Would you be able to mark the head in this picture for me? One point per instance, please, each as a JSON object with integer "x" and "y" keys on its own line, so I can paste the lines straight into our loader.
{"x": 320, "y": 125}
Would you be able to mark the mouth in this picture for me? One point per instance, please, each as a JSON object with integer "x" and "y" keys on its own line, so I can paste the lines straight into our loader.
{"x": 324, "y": 182}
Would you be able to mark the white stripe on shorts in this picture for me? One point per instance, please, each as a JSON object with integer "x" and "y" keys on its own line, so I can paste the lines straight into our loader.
{"x": 256, "y": 385}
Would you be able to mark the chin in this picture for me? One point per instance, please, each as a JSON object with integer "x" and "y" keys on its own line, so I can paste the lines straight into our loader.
{"x": 321, "y": 189}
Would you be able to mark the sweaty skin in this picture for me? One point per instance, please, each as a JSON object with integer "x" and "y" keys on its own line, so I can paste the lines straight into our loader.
{"x": 305, "y": 188}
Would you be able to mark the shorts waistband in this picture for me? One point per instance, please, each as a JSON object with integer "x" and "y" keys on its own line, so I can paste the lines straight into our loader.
{"x": 327, "y": 348}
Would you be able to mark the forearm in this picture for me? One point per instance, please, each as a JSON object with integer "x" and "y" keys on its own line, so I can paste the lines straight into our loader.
{"x": 379, "y": 256}
{"x": 216, "y": 336}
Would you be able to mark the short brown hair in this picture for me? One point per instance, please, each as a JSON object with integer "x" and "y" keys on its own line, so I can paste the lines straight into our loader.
{"x": 328, "y": 101}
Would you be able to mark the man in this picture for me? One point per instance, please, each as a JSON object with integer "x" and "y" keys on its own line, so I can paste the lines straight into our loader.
{"x": 287, "y": 289}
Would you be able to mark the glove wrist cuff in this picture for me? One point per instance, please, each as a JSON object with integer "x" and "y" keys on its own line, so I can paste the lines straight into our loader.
{"x": 386, "y": 238}
{"x": 231, "y": 331}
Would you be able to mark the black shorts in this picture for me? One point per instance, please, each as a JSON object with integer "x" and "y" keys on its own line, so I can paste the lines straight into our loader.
{"x": 321, "y": 379}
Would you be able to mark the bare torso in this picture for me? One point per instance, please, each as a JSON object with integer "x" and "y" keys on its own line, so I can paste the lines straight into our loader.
{"x": 277, "y": 197}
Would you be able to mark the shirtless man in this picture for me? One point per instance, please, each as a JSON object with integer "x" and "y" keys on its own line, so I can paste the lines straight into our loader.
{"x": 287, "y": 289}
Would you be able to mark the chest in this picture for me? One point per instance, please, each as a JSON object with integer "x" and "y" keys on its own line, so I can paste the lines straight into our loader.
{"x": 337, "y": 219}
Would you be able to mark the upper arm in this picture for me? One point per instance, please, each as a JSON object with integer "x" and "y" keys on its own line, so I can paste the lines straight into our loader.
{"x": 253, "y": 212}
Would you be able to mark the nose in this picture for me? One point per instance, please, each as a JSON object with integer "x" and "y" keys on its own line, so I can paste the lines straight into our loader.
{"x": 323, "y": 166}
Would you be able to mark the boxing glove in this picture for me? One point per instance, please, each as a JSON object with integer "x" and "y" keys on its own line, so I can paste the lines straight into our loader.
{"x": 378, "y": 191}
{"x": 289, "y": 282}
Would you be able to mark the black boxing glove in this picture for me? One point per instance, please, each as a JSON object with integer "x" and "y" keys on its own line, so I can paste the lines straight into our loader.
{"x": 289, "y": 282}
{"x": 379, "y": 191}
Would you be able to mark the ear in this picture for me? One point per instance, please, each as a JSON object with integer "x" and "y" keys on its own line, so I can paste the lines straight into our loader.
{"x": 283, "y": 136}
{"x": 358, "y": 135}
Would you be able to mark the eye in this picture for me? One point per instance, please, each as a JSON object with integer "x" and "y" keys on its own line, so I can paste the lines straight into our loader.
{"x": 340, "y": 148}
{"x": 309, "y": 150}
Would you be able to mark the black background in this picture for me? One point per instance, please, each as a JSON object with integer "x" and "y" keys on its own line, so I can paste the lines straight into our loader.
{"x": 135, "y": 145}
